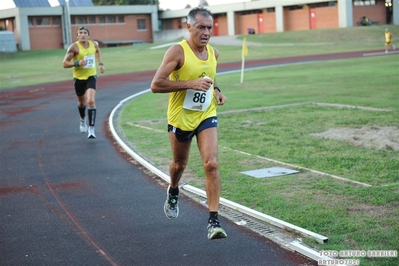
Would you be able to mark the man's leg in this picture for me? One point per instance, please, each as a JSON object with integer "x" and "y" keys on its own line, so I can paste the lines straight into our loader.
{"x": 91, "y": 106}
{"x": 180, "y": 151}
{"x": 208, "y": 145}
{"x": 82, "y": 113}
{"x": 91, "y": 111}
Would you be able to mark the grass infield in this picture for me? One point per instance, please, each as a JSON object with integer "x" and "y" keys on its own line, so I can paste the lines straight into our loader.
{"x": 352, "y": 216}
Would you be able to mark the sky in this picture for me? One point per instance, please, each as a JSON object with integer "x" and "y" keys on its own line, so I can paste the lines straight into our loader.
{"x": 181, "y": 4}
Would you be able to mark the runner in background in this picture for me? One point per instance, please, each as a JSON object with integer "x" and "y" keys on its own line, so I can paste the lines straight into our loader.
{"x": 82, "y": 56}
{"x": 388, "y": 41}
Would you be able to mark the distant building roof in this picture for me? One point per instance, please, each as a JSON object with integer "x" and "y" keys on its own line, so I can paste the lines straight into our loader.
{"x": 77, "y": 2}
{"x": 43, "y": 3}
{"x": 31, "y": 3}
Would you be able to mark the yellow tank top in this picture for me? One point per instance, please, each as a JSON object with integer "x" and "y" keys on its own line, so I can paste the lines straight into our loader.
{"x": 193, "y": 68}
{"x": 84, "y": 72}
{"x": 387, "y": 37}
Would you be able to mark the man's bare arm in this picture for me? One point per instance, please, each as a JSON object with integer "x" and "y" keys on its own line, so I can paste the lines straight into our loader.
{"x": 98, "y": 57}
{"x": 71, "y": 52}
{"x": 173, "y": 60}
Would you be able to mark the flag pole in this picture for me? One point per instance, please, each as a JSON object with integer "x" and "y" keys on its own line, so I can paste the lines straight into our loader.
{"x": 242, "y": 69}
{"x": 243, "y": 54}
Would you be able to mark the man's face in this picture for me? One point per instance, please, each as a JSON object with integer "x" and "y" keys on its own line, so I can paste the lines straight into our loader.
{"x": 83, "y": 35}
{"x": 201, "y": 31}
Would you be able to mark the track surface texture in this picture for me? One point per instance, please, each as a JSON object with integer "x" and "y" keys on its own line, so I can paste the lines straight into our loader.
{"x": 69, "y": 200}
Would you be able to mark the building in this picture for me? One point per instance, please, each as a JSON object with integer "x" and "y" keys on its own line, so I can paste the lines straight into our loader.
{"x": 265, "y": 16}
{"x": 52, "y": 24}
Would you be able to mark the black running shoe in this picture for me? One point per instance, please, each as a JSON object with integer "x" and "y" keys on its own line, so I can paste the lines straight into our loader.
{"x": 171, "y": 208}
{"x": 215, "y": 231}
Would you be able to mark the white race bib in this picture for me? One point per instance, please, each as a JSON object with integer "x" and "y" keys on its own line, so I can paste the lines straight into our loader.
{"x": 90, "y": 60}
{"x": 198, "y": 100}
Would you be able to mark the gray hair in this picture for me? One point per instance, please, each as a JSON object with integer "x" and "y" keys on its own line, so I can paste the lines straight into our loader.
{"x": 191, "y": 17}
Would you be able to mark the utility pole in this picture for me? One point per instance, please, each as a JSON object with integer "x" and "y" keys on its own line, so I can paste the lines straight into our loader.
{"x": 67, "y": 25}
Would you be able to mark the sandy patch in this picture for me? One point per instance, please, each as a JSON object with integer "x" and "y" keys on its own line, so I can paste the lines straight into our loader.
{"x": 381, "y": 138}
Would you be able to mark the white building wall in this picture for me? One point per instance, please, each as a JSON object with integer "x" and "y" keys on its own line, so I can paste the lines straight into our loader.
{"x": 345, "y": 13}
{"x": 395, "y": 7}
{"x": 279, "y": 18}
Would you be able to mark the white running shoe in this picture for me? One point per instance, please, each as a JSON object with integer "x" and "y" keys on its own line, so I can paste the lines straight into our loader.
{"x": 91, "y": 134}
{"x": 83, "y": 126}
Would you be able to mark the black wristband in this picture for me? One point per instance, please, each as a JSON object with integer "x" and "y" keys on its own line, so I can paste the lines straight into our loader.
{"x": 217, "y": 88}
{"x": 101, "y": 64}
{"x": 76, "y": 63}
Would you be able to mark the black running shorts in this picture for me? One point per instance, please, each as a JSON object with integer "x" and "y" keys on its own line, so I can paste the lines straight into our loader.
{"x": 81, "y": 86}
{"x": 184, "y": 136}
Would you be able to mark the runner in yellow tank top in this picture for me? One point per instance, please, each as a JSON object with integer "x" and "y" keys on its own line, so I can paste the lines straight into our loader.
{"x": 188, "y": 73}
{"x": 88, "y": 55}
{"x": 388, "y": 41}
{"x": 188, "y": 118}
{"x": 82, "y": 56}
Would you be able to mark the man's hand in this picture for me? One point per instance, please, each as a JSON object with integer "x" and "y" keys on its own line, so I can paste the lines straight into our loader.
{"x": 202, "y": 84}
{"x": 220, "y": 98}
{"x": 102, "y": 68}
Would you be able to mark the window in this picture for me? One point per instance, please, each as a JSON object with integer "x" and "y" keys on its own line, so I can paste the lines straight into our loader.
{"x": 56, "y": 21}
{"x": 73, "y": 20}
{"x": 111, "y": 19}
{"x": 324, "y": 4}
{"x": 295, "y": 7}
{"x": 91, "y": 19}
{"x": 121, "y": 19}
{"x": 30, "y": 22}
{"x": 42, "y": 21}
{"x": 364, "y": 3}
{"x": 141, "y": 24}
{"x": 101, "y": 19}
{"x": 82, "y": 20}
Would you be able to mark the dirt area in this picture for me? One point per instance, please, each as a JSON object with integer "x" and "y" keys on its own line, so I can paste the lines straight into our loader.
{"x": 381, "y": 138}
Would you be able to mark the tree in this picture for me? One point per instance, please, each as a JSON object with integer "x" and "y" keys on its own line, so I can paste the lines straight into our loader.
{"x": 203, "y": 3}
{"x": 107, "y": 2}
{"x": 124, "y": 2}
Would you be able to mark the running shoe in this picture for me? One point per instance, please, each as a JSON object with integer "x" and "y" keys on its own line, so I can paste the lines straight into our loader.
{"x": 171, "y": 208}
{"x": 83, "y": 126}
{"x": 91, "y": 134}
{"x": 215, "y": 231}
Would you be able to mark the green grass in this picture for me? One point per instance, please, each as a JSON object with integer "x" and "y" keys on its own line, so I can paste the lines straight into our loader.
{"x": 46, "y": 65}
{"x": 352, "y": 216}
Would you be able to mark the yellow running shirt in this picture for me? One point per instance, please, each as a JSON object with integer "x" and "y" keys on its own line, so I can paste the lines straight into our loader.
{"x": 84, "y": 72}
{"x": 181, "y": 116}
{"x": 387, "y": 37}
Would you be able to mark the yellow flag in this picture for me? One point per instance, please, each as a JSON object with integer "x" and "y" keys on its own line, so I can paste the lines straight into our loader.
{"x": 244, "y": 47}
